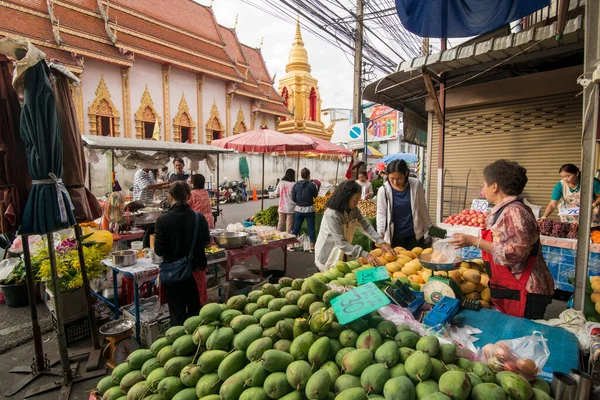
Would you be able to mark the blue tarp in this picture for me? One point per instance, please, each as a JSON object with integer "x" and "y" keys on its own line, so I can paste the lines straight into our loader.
{"x": 462, "y": 18}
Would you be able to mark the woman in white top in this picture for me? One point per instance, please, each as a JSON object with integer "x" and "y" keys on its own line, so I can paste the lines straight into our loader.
{"x": 402, "y": 216}
{"x": 286, "y": 204}
{"x": 341, "y": 219}
{"x": 367, "y": 188}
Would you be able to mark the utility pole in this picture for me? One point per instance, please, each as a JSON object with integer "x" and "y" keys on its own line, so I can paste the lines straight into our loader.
{"x": 358, "y": 58}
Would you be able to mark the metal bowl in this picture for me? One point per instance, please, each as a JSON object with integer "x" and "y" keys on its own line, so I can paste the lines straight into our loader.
{"x": 425, "y": 259}
{"x": 230, "y": 240}
{"x": 124, "y": 258}
{"x": 152, "y": 212}
{"x": 117, "y": 327}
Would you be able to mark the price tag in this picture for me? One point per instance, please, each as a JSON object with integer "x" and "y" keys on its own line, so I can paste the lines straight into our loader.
{"x": 358, "y": 302}
{"x": 480, "y": 205}
{"x": 372, "y": 275}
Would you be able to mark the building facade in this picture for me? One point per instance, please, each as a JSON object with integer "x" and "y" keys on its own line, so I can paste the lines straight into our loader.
{"x": 150, "y": 71}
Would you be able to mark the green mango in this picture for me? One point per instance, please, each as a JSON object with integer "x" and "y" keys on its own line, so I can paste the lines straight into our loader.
{"x": 298, "y": 373}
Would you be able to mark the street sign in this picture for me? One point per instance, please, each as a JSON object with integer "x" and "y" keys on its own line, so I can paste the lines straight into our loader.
{"x": 356, "y": 145}
{"x": 356, "y": 131}
{"x": 372, "y": 275}
{"x": 358, "y": 302}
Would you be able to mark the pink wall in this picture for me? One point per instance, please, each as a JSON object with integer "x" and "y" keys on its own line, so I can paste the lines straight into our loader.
{"x": 91, "y": 78}
{"x": 184, "y": 82}
{"x": 142, "y": 73}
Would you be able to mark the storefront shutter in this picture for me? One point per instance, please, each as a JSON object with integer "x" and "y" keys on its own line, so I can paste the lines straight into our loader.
{"x": 541, "y": 134}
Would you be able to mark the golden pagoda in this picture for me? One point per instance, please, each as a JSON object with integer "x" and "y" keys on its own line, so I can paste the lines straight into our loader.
{"x": 300, "y": 92}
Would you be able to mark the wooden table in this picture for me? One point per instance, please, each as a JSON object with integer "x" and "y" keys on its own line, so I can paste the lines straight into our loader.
{"x": 261, "y": 252}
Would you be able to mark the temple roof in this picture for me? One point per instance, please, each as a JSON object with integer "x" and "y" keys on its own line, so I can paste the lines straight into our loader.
{"x": 184, "y": 34}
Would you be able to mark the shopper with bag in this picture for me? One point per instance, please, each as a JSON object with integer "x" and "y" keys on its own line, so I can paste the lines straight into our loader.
{"x": 181, "y": 236}
{"x": 340, "y": 221}
{"x": 520, "y": 282}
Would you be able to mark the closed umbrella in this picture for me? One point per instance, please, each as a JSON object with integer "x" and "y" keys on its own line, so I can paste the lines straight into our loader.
{"x": 263, "y": 141}
{"x": 49, "y": 205}
{"x": 14, "y": 175}
{"x": 86, "y": 205}
{"x": 408, "y": 157}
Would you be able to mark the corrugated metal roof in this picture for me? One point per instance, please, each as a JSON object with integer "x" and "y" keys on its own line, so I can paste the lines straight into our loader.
{"x": 462, "y": 64}
{"x": 104, "y": 142}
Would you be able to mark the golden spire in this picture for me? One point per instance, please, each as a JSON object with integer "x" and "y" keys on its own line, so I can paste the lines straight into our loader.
{"x": 298, "y": 58}
{"x": 236, "y": 22}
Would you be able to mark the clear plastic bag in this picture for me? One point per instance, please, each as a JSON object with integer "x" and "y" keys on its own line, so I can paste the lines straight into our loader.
{"x": 443, "y": 252}
{"x": 525, "y": 356}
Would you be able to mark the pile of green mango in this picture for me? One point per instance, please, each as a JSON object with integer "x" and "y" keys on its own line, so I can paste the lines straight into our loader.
{"x": 284, "y": 342}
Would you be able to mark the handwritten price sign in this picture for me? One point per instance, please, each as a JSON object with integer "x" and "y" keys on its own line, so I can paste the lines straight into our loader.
{"x": 358, "y": 302}
{"x": 480, "y": 205}
{"x": 372, "y": 275}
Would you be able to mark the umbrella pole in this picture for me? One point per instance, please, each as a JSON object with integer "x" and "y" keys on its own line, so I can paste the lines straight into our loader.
{"x": 37, "y": 333}
{"x": 86, "y": 288}
{"x": 62, "y": 340}
{"x": 262, "y": 194}
{"x": 298, "y": 166}
{"x": 217, "y": 188}
{"x": 337, "y": 170}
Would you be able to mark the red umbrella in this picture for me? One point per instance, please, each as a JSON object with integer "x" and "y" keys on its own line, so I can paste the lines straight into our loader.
{"x": 263, "y": 141}
{"x": 323, "y": 146}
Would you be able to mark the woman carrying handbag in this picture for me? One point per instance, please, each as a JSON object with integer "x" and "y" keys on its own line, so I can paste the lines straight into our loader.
{"x": 181, "y": 236}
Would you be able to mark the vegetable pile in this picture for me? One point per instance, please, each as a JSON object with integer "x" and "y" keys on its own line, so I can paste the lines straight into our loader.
{"x": 320, "y": 203}
{"x": 558, "y": 229}
{"x": 368, "y": 208}
{"x": 269, "y": 217}
{"x": 284, "y": 342}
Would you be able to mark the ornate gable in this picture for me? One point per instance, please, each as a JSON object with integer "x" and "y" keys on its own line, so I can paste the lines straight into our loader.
{"x": 146, "y": 113}
{"x": 103, "y": 107}
{"x": 240, "y": 125}
{"x": 183, "y": 119}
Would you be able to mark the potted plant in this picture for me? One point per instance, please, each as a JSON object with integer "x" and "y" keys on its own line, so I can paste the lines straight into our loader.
{"x": 14, "y": 287}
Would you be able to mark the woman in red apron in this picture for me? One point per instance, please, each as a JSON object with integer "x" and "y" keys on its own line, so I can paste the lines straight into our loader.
{"x": 520, "y": 282}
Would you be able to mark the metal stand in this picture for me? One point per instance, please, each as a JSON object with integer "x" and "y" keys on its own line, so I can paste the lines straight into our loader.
{"x": 41, "y": 364}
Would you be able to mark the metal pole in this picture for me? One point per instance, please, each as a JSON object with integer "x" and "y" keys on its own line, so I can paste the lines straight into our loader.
{"x": 337, "y": 170}
{"x": 442, "y": 133}
{"x": 218, "y": 188}
{"x": 262, "y": 194}
{"x": 358, "y": 57}
{"x": 37, "y": 333}
{"x": 591, "y": 107}
{"x": 297, "y": 165}
{"x": 63, "y": 350}
{"x": 86, "y": 288}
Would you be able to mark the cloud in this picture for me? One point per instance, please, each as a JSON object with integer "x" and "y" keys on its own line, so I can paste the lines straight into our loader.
{"x": 329, "y": 64}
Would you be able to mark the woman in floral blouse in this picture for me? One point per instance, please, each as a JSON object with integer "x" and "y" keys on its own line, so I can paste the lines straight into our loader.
{"x": 520, "y": 281}
{"x": 200, "y": 200}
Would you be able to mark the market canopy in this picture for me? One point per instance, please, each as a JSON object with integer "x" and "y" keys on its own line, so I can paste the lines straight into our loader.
{"x": 135, "y": 153}
{"x": 263, "y": 141}
{"x": 462, "y": 18}
{"x": 408, "y": 157}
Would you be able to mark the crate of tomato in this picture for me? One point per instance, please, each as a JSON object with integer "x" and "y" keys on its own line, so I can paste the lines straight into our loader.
{"x": 476, "y": 219}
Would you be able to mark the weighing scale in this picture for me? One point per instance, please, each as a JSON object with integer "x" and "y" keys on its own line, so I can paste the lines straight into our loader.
{"x": 440, "y": 286}
{"x": 120, "y": 344}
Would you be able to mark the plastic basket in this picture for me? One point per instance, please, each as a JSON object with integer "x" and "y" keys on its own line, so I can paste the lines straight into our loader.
{"x": 149, "y": 331}
{"x": 75, "y": 330}
{"x": 74, "y": 305}
{"x": 443, "y": 312}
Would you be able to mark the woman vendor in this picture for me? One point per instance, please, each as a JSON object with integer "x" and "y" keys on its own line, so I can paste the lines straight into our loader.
{"x": 520, "y": 282}
{"x": 340, "y": 221}
{"x": 566, "y": 196}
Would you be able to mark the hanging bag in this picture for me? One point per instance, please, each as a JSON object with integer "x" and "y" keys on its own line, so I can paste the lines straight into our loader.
{"x": 180, "y": 270}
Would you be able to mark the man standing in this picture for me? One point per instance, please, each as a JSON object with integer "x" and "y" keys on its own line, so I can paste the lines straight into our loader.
{"x": 144, "y": 185}
{"x": 179, "y": 174}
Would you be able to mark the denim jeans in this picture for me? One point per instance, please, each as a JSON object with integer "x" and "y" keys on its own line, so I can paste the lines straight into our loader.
{"x": 310, "y": 221}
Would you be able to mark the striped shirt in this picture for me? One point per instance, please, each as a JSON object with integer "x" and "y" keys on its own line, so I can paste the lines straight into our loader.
{"x": 141, "y": 181}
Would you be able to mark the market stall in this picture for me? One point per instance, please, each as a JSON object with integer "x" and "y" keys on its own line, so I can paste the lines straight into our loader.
{"x": 329, "y": 334}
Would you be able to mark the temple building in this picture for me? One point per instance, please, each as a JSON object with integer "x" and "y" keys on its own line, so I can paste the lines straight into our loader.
{"x": 152, "y": 62}
{"x": 300, "y": 93}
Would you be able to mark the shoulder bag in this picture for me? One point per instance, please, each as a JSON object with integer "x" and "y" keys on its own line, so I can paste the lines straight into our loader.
{"x": 180, "y": 270}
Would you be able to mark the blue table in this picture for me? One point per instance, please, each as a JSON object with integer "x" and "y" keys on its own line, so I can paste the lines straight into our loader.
{"x": 495, "y": 326}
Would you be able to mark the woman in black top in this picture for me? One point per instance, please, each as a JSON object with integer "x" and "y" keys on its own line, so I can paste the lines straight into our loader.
{"x": 174, "y": 233}
{"x": 303, "y": 194}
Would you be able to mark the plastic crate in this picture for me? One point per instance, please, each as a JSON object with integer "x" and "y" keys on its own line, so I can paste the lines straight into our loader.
{"x": 149, "y": 331}
{"x": 75, "y": 330}
{"x": 218, "y": 294}
{"x": 443, "y": 312}
{"x": 74, "y": 305}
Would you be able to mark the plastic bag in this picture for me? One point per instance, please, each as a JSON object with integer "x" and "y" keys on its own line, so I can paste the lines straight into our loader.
{"x": 525, "y": 356}
{"x": 7, "y": 266}
{"x": 443, "y": 252}
{"x": 304, "y": 242}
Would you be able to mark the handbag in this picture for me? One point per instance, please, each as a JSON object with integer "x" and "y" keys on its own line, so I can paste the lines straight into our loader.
{"x": 180, "y": 270}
